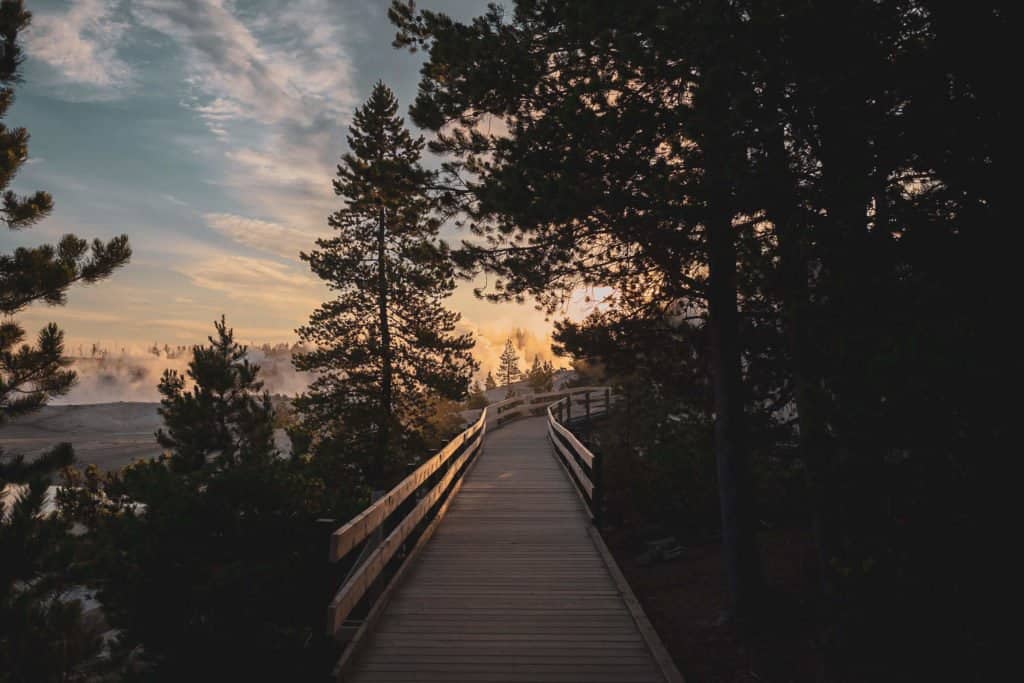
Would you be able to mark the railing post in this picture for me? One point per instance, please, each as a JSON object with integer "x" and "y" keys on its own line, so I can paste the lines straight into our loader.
{"x": 568, "y": 409}
{"x": 561, "y": 409}
{"x": 586, "y": 402}
{"x": 597, "y": 479}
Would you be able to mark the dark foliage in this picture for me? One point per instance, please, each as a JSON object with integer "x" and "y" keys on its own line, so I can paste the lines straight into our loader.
{"x": 214, "y": 570}
{"x": 42, "y": 633}
{"x": 30, "y": 375}
{"x": 800, "y": 208}
{"x": 225, "y": 416}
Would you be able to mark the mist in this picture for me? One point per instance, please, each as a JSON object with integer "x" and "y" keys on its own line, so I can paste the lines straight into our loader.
{"x": 132, "y": 374}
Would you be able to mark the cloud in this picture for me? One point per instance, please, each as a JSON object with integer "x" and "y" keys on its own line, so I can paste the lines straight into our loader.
{"x": 275, "y": 87}
{"x": 266, "y": 236}
{"x": 81, "y": 44}
{"x": 287, "y": 64}
{"x": 196, "y": 329}
{"x": 262, "y": 281}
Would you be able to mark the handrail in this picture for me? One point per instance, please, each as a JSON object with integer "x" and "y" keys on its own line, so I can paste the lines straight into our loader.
{"x": 345, "y": 538}
{"x": 583, "y": 466}
{"x": 534, "y": 404}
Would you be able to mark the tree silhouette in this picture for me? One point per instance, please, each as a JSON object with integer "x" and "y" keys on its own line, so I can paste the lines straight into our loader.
{"x": 225, "y": 416}
{"x": 30, "y": 375}
{"x": 792, "y": 197}
{"x": 385, "y": 342}
{"x": 43, "y": 638}
{"x": 508, "y": 368}
{"x": 611, "y": 173}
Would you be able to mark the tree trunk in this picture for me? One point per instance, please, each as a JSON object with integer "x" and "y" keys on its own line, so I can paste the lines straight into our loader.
{"x": 380, "y": 457}
{"x": 785, "y": 215}
{"x": 739, "y": 548}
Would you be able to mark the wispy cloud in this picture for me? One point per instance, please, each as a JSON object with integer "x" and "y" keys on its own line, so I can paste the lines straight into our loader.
{"x": 275, "y": 87}
{"x": 273, "y": 238}
{"x": 258, "y": 280}
{"x": 285, "y": 65}
{"x": 81, "y": 43}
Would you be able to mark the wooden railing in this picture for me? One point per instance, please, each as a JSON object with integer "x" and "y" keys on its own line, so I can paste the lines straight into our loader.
{"x": 580, "y": 402}
{"x": 409, "y": 513}
{"x": 583, "y": 465}
{"x": 433, "y": 483}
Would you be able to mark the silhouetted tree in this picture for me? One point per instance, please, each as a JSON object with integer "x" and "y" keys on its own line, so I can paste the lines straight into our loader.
{"x": 42, "y": 638}
{"x": 814, "y": 184}
{"x": 225, "y": 416}
{"x": 489, "y": 382}
{"x": 508, "y": 368}
{"x": 618, "y": 164}
{"x": 32, "y": 374}
{"x": 385, "y": 342}
{"x": 213, "y": 570}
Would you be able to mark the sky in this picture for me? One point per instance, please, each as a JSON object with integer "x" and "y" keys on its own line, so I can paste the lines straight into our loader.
{"x": 208, "y": 131}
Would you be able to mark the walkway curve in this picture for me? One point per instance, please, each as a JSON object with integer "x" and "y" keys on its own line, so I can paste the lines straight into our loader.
{"x": 512, "y": 586}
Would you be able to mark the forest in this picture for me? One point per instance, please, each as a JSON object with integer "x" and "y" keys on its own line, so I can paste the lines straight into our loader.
{"x": 793, "y": 221}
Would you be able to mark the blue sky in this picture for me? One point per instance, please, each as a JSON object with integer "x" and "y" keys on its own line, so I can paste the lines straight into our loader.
{"x": 208, "y": 131}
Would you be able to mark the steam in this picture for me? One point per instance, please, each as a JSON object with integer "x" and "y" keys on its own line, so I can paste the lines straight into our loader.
{"x": 132, "y": 374}
{"x": 490, "y": 342}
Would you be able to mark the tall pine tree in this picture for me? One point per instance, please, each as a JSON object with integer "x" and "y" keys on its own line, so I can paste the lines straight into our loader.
{"x": 618, "y": 165}
{"x": 508, "y": 370}
{"x": 43, "y": 637}
{"x": 30, "y": 375}
{"x": 385, "y": 343}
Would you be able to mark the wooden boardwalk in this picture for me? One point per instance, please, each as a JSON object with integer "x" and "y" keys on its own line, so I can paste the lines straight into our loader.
{"x": 511, "y": 587}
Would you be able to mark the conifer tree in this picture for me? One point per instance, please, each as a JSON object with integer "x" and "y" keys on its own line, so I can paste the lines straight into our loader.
{"x": 489, "y": 381}
{"x": 477, "y": 397}
{"x": 541, "y": 375}
{"x": 627, "y": 179}
{"x": 226, "y": 415}
{"x": 43, "y": 637}
{"x": 508, "y": 370}
{"x": 385, "y": 343}
{"x": 30, "y": 375}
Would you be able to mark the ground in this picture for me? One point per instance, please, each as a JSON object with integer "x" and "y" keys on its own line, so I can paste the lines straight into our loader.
{"x": 109, "y": 435}
{"x": 684, "y": 599}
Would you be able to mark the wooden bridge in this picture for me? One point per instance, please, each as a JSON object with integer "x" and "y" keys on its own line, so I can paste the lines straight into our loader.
{"x": 508, "y": 580}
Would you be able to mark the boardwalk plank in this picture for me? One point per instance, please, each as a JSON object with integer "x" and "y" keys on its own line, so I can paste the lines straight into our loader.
{"x": 511, "y": 586}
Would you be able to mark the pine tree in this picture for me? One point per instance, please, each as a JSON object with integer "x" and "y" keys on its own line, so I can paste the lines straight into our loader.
{"x": 225, "y": 416}
{"x": 43, "y": 636}
{"x": 30, "y": 375}
{"x": 385, "y": 343}
{"x": 489, "y": 382}
{"x": 541, "y": 375}
{"x": 508, "y": 370}
{"x": 477, "y": 398}
{"x": 625, "y": 180}
{"x": 208, "y": 571}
